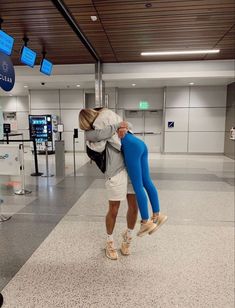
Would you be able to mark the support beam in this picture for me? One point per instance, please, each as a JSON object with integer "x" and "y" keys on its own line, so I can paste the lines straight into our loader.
{"x": 59, "y": 4}
{"x": 99, "y": 86}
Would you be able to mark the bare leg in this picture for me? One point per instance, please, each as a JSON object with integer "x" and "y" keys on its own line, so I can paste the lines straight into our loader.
{"x": 111, "y": 216}
{"x": 132, "y": 211}
{"x": 131, "y": 217}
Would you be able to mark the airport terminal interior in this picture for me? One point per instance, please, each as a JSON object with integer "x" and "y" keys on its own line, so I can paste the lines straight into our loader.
{"x": 166, "y": 67}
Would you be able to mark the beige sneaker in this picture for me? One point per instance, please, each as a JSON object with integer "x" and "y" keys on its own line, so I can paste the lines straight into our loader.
{"x": 125, "y": 247}
{"x": 159, "y": 221}
{"x": 148, "y": 227}
{"x": 111, "y": 251}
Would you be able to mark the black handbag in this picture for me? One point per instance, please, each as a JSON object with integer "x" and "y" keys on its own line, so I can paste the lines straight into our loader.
{"x": 98, "y": 157}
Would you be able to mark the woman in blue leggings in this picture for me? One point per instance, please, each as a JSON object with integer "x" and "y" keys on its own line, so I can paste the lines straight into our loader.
{"x": 136, "y": 160}
{"x": 135, "y": 154}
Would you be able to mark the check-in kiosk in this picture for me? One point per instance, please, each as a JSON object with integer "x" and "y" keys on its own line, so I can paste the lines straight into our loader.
{"x": 43, "y": 128}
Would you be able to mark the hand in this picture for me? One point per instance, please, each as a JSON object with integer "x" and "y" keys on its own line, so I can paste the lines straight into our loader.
{"x": 121, "y": 132}
{"x": 123, "y": 124}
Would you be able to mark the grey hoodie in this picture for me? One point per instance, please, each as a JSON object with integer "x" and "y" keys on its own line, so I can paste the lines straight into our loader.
{"x": 114, "y": 158}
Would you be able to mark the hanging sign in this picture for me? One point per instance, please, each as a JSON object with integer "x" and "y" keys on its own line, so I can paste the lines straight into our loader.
{"x": 6, "y": 43}
{"x": 7, "y": 73}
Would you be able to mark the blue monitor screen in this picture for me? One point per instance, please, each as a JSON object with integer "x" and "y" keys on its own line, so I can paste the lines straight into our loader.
{"x": 6, "y": 43}
{"x": 28, "y": 56}
{"x": 46, "y": 67}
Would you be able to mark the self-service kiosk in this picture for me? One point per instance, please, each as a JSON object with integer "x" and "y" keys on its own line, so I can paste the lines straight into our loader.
{"x": 43, "y": 128}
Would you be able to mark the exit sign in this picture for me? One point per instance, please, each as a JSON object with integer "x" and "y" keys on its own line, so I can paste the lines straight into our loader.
{"x": 143, "y": 105}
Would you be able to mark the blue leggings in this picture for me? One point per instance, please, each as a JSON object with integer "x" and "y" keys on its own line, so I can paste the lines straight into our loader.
{"x": 136, "y": 160}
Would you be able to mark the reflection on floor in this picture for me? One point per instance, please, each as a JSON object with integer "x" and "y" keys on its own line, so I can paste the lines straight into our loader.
{"x": 51, "y": 251}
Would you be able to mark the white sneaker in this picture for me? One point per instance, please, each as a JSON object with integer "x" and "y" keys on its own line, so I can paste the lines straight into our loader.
{"x": 111, "y": 251}
{"x": 125, "y": 246}
{"x": 159, "y": 221}
{"x": 146, "y": 228}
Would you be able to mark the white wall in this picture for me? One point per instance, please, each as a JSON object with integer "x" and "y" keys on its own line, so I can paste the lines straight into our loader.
{"x": 198, "y": 113}
{"x": 112, "y": 97}
{"x": 64, "y": 103}
{"x": 20, "y": 105}
{"x": 130, "y": 98}
{"x": 199, "y": 119}
{"x": 229, "y": 144}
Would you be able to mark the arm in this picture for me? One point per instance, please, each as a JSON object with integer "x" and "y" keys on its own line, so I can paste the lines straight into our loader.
{"x": 96, "y": 135}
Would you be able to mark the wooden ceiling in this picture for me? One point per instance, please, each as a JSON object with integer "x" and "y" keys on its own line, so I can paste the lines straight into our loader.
{"x": 45, "y": 27}
{"x": 124, "y": 28}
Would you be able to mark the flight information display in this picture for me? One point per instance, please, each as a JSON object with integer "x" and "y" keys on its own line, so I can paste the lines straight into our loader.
{"x": 46, "y": 67}
{"x": 40, "y": 128}
{"x": 6, "y": 43}
{"x": 28, "y": 56}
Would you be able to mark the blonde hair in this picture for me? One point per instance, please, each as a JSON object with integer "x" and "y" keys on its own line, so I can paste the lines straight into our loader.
{"x": 86, "y": 118}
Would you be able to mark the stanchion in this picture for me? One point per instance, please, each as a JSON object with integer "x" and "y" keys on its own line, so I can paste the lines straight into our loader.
{"x": 74, "y": 159}
{"x": 36, "y": 173}
{"x": 3, "y": 217}
{"x": 7, "y": 136}
{"x": 75, "y": 135}
{"x": 22, "y": 191}
{"x": 47, "y": 175}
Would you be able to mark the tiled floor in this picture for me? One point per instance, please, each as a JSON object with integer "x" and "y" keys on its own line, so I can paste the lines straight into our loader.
{"x": 51, "y": 251}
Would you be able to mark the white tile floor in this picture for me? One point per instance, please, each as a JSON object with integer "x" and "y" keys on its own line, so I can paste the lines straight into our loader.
{"x": 187, "y": 263}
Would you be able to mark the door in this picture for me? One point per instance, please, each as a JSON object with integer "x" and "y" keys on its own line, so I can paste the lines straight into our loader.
{"x": 147, "y": 125}
{"x": 153, "y": 130}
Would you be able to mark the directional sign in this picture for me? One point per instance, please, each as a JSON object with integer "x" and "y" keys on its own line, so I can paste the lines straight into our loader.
{"x": 171, "y": 124}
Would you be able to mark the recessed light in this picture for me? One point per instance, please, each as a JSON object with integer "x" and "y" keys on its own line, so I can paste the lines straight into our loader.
{"x": 10, "y": 95}
{"x": 183, "y": 52}
{"x": 94, "y": 18}
{"x": 148, "y": 5}
{"x": 78, "y": 85}
{"x": 133, "y": 84}
{"x": 25, "y": 86}
{"x": 191, "y": 83}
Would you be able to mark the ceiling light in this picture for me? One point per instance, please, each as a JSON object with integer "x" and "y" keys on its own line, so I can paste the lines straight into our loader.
{"x": 191, "y": 83}
{"x": 78, "y": 85}
{"x": 93, "y": 18}
{"x": 133, "y": 84}
{"x": 183, "y": 52}
{"x": 25, "y": 86}
{"x": 10, "y": 95}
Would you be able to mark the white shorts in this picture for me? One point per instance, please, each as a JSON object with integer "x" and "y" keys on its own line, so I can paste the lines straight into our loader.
{"x": 118, "y": 187}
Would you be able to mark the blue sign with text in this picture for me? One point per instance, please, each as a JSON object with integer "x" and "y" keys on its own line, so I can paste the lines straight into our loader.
{"x": 46, "y": 67}
{"x": 28, "y": 56}
{"x": 6, "y": 43}
{"x": 7, "y": 73}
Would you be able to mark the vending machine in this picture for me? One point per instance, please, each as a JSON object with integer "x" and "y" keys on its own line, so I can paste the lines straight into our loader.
{"x": 44, "y": 128}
